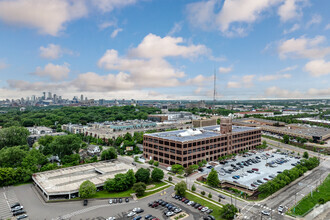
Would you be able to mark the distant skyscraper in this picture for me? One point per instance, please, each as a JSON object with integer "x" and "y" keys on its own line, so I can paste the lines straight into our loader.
{"x": 49, "y": 95}
{"x": 33, "y": 98}
{"x": 44, "y": 96}
{"x": 54, "y": 97}
{"x": 82, "y": 97}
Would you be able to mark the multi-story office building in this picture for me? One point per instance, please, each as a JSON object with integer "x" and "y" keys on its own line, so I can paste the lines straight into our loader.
{"x": 187, "y": 147}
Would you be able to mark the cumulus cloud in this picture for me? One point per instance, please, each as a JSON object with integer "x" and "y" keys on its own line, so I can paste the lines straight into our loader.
{"x": 115, "y": 32}
{"x": 199, "y": 80}
{"x": 274, "y": 77}
{"x": 234, "y": 17}
{"x": 176, "y": 28}
{"x": 292, "y": 29}
{"x": 303, "y": 48}
{"x": 55, "y": 72}
{"x": 110, "y": 5}
{"x": 318, "y": 68}
{"x": 245, "y": 82}
{"x": 53, "y": 51}
{"x": 225, "y": 69}
{"x": 289, "y": 68}
{"x": 48, "y": 17}
{"x": 327, "y": 27}
{"x": 316, "y": 19}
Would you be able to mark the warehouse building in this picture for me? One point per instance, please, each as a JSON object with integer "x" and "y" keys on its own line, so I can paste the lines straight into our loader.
{"x": 64, "y": 183}
{"x": 187, "y": 147}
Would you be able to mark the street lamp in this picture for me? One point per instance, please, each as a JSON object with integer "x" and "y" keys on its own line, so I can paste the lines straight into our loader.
{"x": 311, "y": 187}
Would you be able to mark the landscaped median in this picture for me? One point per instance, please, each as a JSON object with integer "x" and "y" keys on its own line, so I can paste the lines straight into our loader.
{"x": 320, "y": 196}
{"x": 148, "y": 193}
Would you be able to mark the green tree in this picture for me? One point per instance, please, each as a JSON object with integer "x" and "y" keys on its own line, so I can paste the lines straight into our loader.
{"x": 12, "y": 156}
{"x": 200, "y": 164}
{"x": 157, "y": 175}
{"x": 177, "y": 168}
{"x": 151, "y": 162}
{"x": 46, "y": 140}
{"x": 142, "y": 175}
{"x": 130, "y": 177}
{"x": 229, "y": 211}
{"x": 210, "y": 195}
{"x": 136, "y": 158}
{"x": 139, "y": 188}
{"x": 87, "y": 189}
{"x": 13, "y": 136}
{"x": 34, "y": 160}
{"x": 180, "y": 188}
{"x": 305, "y": 155}
{"x": 156, "y": 163}
{"x": 128, "y": 137}
{"x": 65, "y": 145}
{"x": 109, "y": 154}
{"x": 203, "y": 193}
{"x": 170, "y": 178}
{"x": 286, "y": 139}
{"x": 193, "y": 188}
{"x": 213, "y": 179}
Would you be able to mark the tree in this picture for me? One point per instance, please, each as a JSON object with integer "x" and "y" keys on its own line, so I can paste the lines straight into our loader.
{"x": 136, "y": 158}
{"x": 87, "y": 189}
{"x": 142, "y": 175}
{"x": 139, "y": 188}
{"x": 12, "y": 156}
{"x": 13, "y": 136}
{"x": 177, "y": 168}
{"x": 156, "y": 163}
{"x": 157, "y": 175}
{"x": 305, "y": 155}
{"x": 229, "y": 211}
{"x": 130, "y": 177}
{"x": 200, "y": 164}
{"x": 151, "y": 162}
{"x": 109, "y": 154}
{"x": 45, "y": 140}
{"x": 286, "y": 139}
{"x": 65, "y": 145}
{"x": 121, "y": 182}
{"x": 193, "y": 188}
{"x": 189, "y": 170}
{"x": 128, "y": 137}
{"x": 210, "y": 195}
{"x": 170, "y": 178}
{"x": 213, "y": 179}
{"x": 180, "y": 188}
{"x": 203, "y": 193}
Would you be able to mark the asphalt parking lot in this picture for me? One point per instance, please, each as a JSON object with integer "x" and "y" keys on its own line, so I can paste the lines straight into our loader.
{"x": 246, "y": 178}
{"x": 7, "y": 198}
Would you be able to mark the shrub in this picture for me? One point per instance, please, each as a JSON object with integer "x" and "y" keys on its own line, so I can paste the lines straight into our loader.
{"x": 203, "y": 193}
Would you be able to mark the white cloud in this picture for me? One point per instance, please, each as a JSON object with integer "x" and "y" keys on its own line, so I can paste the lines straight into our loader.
{"x": 154, "y": 46}
{"x": 327, "y": 27}
{"x": 303, "y": 48}
{"x": 176, "y": 28}
{"x": 245, "y": 82}
{"x": 274, "y": 77}
{"x": 225, "y": 69}
{"x": 55, "y": 72}
{"x": 107, "y": 24}
{"x": 292, "y": 29}
{"x": 290, "y": 10}
{"x": 318, "y": 68}
{"x": 53, "y": 51}
{"x": 199, "y": 80}
{"x": 276, "y": 92}
{"x": 48, "y": 17}
{"x": 316, "y": 19}
{"x": 319, "y": 92}
{"x": 115, "y": 32}
{"x": 110, "y": 5}
{"x": 3, "y": 65}
{"x": 289, "y": 68}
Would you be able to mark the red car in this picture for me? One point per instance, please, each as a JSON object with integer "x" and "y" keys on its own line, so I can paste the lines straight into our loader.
{"x": 154, "y": 205}
{"x": 155, "y": 219}
{"x": 183, "y": 199}
{"x": 253, "y": 185}
{"x": 200, "y": 208}
{"x": 266, "y": 179}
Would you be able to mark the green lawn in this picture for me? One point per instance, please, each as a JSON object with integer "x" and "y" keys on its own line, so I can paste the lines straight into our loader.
{"x": 158, "y": 184}
{"x": 153, "y": 192}
{"x": 181, "y": 177}
{"x": 309, "y": 202}
{"x": 106, "y": 194}
{"x": 216, "y": 209}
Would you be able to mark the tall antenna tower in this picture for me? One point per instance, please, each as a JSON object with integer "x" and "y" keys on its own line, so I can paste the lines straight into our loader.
{"x": 214, "y": 89}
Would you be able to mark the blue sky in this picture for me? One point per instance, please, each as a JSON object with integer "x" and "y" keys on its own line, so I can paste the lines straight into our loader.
{"x": 153, "y": 49}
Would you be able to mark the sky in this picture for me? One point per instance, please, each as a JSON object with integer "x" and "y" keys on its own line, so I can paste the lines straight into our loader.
{"x": 165, "y": 49}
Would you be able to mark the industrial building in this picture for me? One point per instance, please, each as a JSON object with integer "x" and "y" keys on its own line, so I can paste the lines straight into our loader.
{"x": 187, "y": 147}
{"x": 64, "y": 183}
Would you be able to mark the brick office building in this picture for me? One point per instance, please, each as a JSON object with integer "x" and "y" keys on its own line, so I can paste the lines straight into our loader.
{"x": 187, "y": 147}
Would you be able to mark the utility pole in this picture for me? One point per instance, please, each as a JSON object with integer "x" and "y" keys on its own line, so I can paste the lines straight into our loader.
{"x": 214, "y": 89}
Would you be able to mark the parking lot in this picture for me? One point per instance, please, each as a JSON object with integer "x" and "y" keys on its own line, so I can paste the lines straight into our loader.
{"x": 7, "y": 198}
{"x": 245, "y": 176}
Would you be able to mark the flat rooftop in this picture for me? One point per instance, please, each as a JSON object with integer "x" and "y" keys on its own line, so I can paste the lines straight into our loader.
{"x": 198, "y": 133}
{"x": 68, "y": 180}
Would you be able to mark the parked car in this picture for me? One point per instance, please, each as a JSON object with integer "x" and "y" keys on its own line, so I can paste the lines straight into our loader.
{"x": 280, "y": 208}
{"x": 126, "y": 200}
{"x": 130, "y": 214}
{"x": 22, "y": 216}
{"x": 15, "y": 204}
{"x": 111, "y": 218}
{"x": 168, "y": 214}
{"x": 147, "y": 216}
{"x": 19, "y": 212}
{"x": 120, "y": 200}
{"x": 204, "y": 209}
{"x": 155, "y": 204}
{"x": 265, "y": 212}
{"x": 221, "y": 196}
{"x": 177, "y": 210}
{"x": 209, "y": 211}
{"x": 16, "y": 208}
{"x": 137, "y": 217}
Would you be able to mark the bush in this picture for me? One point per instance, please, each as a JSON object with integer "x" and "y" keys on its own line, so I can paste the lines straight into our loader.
{"x": 156, "y": 163}
{"x": 203, "y": 193}
{"x": 139, "y": 188}
{"x": 157, "y": 175}
{"x": 193, "y": 188}
{"x": 321, "y": 201}
{"x": 151, "y": 162}
{"x": 87, "y": 189}
{"x": 210, "y": 195}
{"x": 170, "y": 178}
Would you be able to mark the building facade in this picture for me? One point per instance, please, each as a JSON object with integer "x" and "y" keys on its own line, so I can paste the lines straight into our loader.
{"x": 187, "y": 147}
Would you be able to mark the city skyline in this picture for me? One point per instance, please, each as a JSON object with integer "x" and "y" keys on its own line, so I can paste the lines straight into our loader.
{"x": 154, "y": 50}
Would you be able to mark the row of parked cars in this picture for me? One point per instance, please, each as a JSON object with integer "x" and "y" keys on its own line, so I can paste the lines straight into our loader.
{"x": 119, "y": 200}
{"x": 264, "y": 180}
{"x": 195, "y": 205}
{"x": 171, "y": 209}
{"x": 17, "y": 210}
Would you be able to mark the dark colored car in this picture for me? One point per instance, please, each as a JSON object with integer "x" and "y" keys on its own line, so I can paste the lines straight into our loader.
{"x": 154, "y": 205}
{"x": 211, "y": 217}
{"x": 114, "y": 200}
{"x": 15, "y": 204}
{"x": 221, "y": 196}
{"x": 126, "y": 200}
{"x": 139, "y": 211}
{"x": 147, "y": 216}
{"x": 85, "y": 202}
{"x": 120, "y": 200}
{"x": 21, "y": 217}
{"x": 209, "y": 211}
{"x": 19, "y": 212}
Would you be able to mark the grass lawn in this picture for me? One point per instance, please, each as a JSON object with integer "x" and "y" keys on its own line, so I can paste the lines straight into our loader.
{"x": 157, "y": 184}
{"x": 153, "y": 192}
{"x": 181, "y": 177}
{"x": 216, "y": 209}
{"x": 106, "y": 194}
{"x": 309, "y": 202}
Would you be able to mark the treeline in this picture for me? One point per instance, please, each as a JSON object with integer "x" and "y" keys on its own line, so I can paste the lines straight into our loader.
{"x": 219, "y": 111}
{"x": 287, "y": 176}
{"x": 77, "y": 115}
